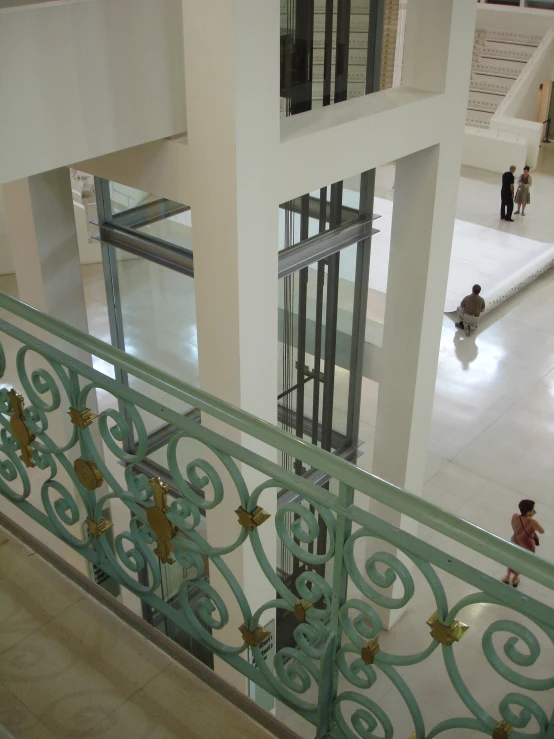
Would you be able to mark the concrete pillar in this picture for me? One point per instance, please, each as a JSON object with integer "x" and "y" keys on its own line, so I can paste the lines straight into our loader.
{"x": 43, "y": 239}
{"x": 425, "y": 194}
{"x": 233, "y": 132}
{"x": 407, "y": 387}
{"x": 6, "y": 261}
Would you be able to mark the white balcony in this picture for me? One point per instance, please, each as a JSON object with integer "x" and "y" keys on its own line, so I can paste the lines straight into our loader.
{"x": 84, "y": 78}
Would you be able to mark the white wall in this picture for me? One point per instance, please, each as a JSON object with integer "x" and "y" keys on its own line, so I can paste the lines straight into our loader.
{"x": 6, "y": 261}
{"x": 83, "y": 78}
{"x": 515, "y": 20}
{"x": 493, "y": 151}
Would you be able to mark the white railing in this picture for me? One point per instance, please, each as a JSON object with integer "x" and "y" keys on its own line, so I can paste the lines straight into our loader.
{"x": 480, "y": 128}
{"x": 530, "y": 77}
{"x": 517, "y": 112}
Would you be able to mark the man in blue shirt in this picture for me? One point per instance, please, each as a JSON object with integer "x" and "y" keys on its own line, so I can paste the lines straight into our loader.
{"x": 507, "y": 195}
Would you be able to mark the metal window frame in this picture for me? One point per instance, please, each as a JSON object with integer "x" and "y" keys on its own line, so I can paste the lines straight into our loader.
{"x": 147, "y": 246}
{"x": 324, "y": 245}
{"x": 147, "y": 213}
{"x": 363, "y": 256}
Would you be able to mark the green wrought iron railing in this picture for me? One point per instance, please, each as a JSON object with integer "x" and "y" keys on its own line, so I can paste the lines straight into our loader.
{"x": 333, "y": 675}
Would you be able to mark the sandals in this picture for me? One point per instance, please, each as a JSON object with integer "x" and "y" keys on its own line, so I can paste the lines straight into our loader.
{"x": 506, "y": 582}
{"x": 515, "y": 582}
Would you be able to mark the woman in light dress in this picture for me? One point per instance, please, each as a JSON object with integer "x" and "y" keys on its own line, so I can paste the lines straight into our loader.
{"x": 523, "y": 197}
{"x": 525, "y": 528}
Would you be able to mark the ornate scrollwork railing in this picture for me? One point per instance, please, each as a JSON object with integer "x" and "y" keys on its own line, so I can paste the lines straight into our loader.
{"x": 344, "y": 673}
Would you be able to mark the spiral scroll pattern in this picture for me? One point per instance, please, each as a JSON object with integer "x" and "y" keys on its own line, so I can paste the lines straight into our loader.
{"x": 349, "y": 569}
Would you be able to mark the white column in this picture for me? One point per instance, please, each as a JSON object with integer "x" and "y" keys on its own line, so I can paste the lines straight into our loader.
{"x": 43, "y": 239}
{"x": 6, "y": 261}
{"x": 232, "y": 86}
{"x": 44, "y": 244}
{"x": 426, "y": 188}
{"x": 406, "y": 388}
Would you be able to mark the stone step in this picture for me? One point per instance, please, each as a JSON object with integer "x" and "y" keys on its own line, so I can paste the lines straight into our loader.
{"x": 483, "y": 102}
{"x": 513, "y": 52}
{"x": 514, "y": 37}
{"x": 486, "y": 83}
{"x": 478, "y": 118}
{"x": 492, "y": 68}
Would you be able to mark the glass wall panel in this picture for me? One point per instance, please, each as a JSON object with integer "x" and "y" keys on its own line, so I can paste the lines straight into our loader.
{"x": 176, "y": 229}
{"x": 315, "y": 328}
{"x": 124, "y": 198}
{"x": 324, "y": 48}
{"x": 328, "y": 50}
{"x": 158, "y": 318}
{"x": 163, "y": 219}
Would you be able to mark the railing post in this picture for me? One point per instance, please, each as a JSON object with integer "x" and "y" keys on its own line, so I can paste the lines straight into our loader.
{"x": 328, "y": 688}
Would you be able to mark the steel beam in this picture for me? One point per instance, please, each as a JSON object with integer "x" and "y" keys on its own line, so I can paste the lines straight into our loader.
{"x": 324, "y": 245}
{"x": 149, "y": 247}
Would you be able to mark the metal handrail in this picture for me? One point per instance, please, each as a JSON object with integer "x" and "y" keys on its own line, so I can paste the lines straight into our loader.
{"x": 368, "y": 484}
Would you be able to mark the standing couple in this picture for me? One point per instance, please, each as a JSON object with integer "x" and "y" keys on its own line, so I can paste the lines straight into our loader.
{"x": 522, "y": 197}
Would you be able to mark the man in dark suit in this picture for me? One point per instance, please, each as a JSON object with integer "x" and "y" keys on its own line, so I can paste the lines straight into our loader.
{"x": 507, "y": 195}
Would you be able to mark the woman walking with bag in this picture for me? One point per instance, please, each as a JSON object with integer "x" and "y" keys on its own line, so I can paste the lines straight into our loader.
{"x": 523, "y": 197}
{"x": 525, "y": 534}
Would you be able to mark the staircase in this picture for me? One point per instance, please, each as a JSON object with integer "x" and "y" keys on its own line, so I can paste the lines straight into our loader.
{"x": 498, "y": 59}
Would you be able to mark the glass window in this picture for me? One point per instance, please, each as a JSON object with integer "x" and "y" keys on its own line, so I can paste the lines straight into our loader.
{"x": 165, "y": 220}
{"x": 325, "y": 50}
{"x": 314, "y": 324}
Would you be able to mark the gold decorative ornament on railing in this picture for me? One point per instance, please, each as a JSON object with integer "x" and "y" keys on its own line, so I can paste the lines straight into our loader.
{"x": 369, "y": 650}
{"x": 250, "y": 521}
{"x": 502, "y": 730}
{"x": 97, "y": 528}
{"x": 444, "y": 634}
{"x": 19, "y": 428}
{"x": 88, "y": 473}
{"x": 253, "y": 638}
{"x": 159, "y": 522}
{"x": 300, "y": 609}
{"x": 82, "y": 419}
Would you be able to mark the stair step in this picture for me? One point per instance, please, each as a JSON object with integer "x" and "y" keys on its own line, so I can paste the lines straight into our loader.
{"x": 478, "y": 117}
{"x": 507, "y": 51}
{"x": 493, "y": 69}
{"x": 514, "y": 37}
{"x": 492, "y": 85}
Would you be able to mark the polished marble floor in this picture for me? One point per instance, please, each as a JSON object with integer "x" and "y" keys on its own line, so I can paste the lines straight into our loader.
{"x": 69, "y": 668}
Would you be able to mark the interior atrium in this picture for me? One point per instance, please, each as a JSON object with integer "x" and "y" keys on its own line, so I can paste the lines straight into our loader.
{"x": 276, "y": 369}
